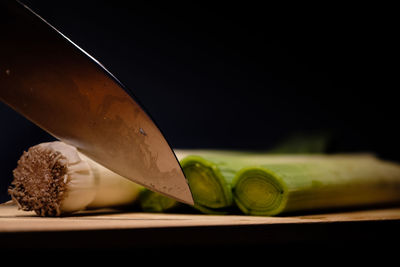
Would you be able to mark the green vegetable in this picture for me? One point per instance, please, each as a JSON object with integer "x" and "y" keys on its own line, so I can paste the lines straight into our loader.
{"x": 209, "y": 178}
{"x": 150, "y": 201}
{"x": 316, "y": 183}
{"x": 210, "y": 182}
{"x": 213, "y": 176}
{"x": 210, "y": 174}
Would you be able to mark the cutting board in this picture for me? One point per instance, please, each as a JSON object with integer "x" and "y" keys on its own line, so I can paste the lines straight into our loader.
{"x": 111, "y": 228}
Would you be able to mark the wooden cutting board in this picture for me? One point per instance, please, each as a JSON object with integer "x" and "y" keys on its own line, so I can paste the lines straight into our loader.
{"x": 106, "y": 228}
{"x": 14, "y": 220}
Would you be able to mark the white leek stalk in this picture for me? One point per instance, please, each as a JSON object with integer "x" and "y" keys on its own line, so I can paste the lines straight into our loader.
{"x": 53, "y": 179}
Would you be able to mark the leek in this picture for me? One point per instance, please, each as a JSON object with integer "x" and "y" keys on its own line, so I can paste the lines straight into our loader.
{"x": 316, "y": 184}
{"x": 209, "y": 179}
{"x": 210, "y": 173}
{"x": 151, "y": 201}
{"x": 55, "y": 179}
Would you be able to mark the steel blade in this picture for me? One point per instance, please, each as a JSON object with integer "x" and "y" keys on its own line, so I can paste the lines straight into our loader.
{"x": 61, "y": 88}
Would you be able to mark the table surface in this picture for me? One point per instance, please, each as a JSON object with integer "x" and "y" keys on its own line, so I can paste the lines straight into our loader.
{"x": 111, "y": 228}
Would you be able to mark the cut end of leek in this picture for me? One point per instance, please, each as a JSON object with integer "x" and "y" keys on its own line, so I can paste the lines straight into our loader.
{"x": 257, "y": 192}
{"x": 154, "y": 202}
{"x": 208, "y": 186}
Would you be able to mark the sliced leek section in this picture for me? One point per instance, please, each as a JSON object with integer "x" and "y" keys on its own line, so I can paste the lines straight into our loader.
{"x": 209, "y": 182}
{"x": 316, "y": 184}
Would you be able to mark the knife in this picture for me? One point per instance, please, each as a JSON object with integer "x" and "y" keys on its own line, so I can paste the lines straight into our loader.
{"x": 61, "y": 88}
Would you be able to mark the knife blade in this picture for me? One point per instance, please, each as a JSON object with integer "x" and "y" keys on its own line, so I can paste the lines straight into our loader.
{"x": 61, "y": 88}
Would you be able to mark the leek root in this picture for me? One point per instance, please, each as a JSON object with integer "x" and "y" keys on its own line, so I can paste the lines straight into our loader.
{"x": 53, "y": 179}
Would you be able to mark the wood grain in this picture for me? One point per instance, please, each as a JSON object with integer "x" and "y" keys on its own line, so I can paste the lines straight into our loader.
{"x": 14, "y": 220}
{"x": 108, "y": 228}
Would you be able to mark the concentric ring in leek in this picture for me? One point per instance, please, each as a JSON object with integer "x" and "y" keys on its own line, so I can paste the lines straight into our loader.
{"x": 209, "y": 187}
{"x": 316, "y": 184}
{"x": 259, "y": 192}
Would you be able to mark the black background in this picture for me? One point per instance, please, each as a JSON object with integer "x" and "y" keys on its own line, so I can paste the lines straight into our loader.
{"x": 237, "y": 76}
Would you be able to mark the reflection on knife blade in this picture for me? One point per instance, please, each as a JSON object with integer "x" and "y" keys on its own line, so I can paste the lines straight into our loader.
{"x": 53, "y": 83}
